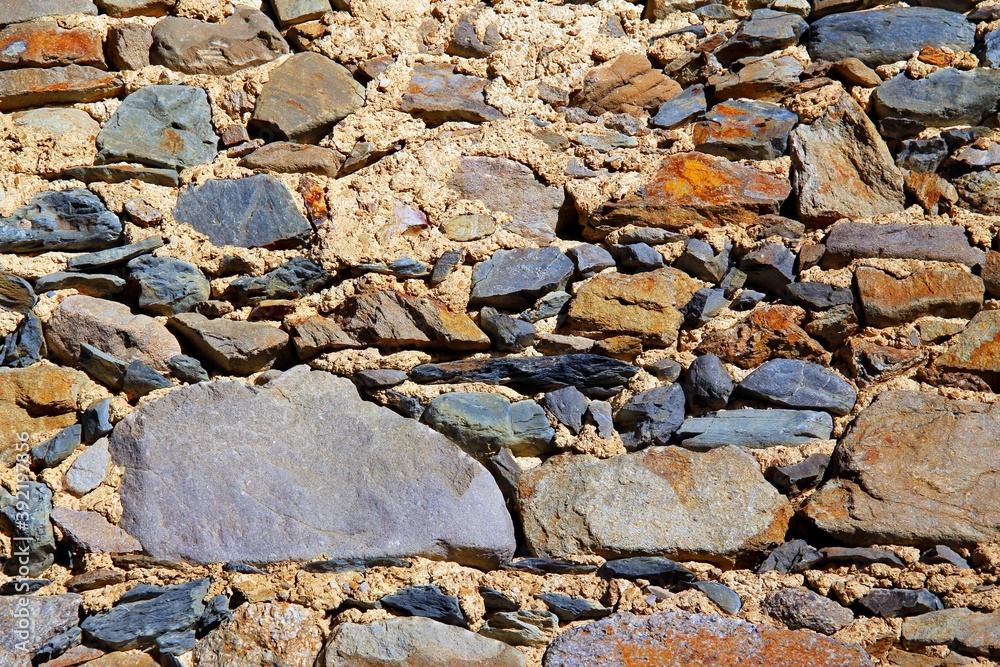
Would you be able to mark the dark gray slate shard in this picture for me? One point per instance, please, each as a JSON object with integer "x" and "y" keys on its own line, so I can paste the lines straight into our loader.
{"x": 550, "y": 305}
{"x": 206, "y": 480}
{"x": 16, "y": 294}
{"x": 681, "y": 108}
{"x": 252, "y": 212}
{"x": 28, "y": 514}
{"x": 103, "y": 367}
{"x": 549, "y": 566}
{"x": 941, "y": 99}
{"x": 755, "y": 428}
{"x": 428, "y": 602}
{"x": 120, "y": 173}
{"x": 572, "y": 609}
{"x": 160, "y": 126}
{"x": 599, "y": 414}
{"x": 651, "y": 417}
{"x": 747, "y": 299}
{"x": 766, "y": 31}
{"x": 594, "y": 375}
{"x": 176, "y": 643}
{"x": 58, "y": 447}
{"x": 338, "y": 565}
{"x": 25, "y": 345}
{"x": 708, "y": 384}
{"x": 800, "y": 608}
{"x": 700, "y": 260}
{"x": 899, "y": 602}
{"x": 167, "y": 286}
{"x": 524, "y": 627}
{"x": 770, "y": 267}
{"x": 507, "y": 333}
{"x": 924, "y": 155}
{"x": 569, "y": 406}
{"x": 70, "y": 220}
{"x": 792, "y": 556}
{"x": 187, "y": 369}
{"x": 140, "y": 380}
{"x": 800, "y": 476}
{"x": 23, "y": 586}
{"x": 886, "y": 36}
{"x": 483, "y": 423}
{"x": 720, "y": 594}
{"x": 96, "y": 421}
{"x": 944, "y": 554}
{"x": 138, "y": 620}
{"x": 515, "y": 278}
{"x": 655, "y": 569}
{"x": 819, "y": 296}
{"x": 860, "y": 556}
{"x": 635, "y": 257}
{"x": 101, "y": 285}
{"x": 705, "y": 304}
{"x": 793, "y": 383}
{"x": 590, "y": 259}
{"x": 295, "y": 278}
{"x": 989, "y": 52}
{"x": 380, "y": 378}
{"x": 494, "y": 600}
{"x": 112, "y": 256}
{"x": 445, "y": 265}
{"x": 848, "y": 240}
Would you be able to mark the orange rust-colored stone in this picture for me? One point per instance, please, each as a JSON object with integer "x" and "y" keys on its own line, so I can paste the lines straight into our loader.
{"x": 38, "y": 398}
{"x": 768, "y": 332}
{"x": 45, "y": 44}
{"x": 697, "y": 189}
{"x": 32, "y": 87}
{"x": 888, "y": 301}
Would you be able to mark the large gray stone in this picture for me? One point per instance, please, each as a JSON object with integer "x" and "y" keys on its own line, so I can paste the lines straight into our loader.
{"x": 234, "y": 346}
{"x": 483, "y": 423}
{"x": 793, "y": 383}
{"x": 437, "y": 94}
{"x": 662, "y": 501}
{"x": 755, "y": 428}
{"x": 245, "y": 39}
{"x": 849, "y": 240}
{"x": 298, "y": 469}
{"x": 69, "y": 220}
{"x": 46, "y": 617}
{"x": 304, "y": 98}
{"x": 167, "y": 286}
{"x": 941, "y": 99}
{"x": 414, "y": 641}
{"x": 161, "y": 126}
{"x": 884, "y": 36}
{"x": 962, "y": 629}
{"x": 766, "y": 31}
{"x": 256, "y": 211}
{"x": 516, "y": 278}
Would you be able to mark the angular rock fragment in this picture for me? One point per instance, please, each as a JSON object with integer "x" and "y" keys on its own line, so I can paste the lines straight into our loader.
{"x": 910, "y": 471}
{"x": 25, "y": 345}
{"x": 899, "y": 602}
{"x": 696, "y": 189}
{"x": 427, "y": 602}
{"x": 291, "y": 12}
{"x": 139, "y": 619}
{"x": 627, "y": 84}
{"x": 770, "y": 267}
{"x": 695, "y": 503}
{"x": 125, "y": 8}
{"x": 870, "y": 363}
{"x": 943, "y": 98}
{"x": 766, "y": 31}
{"x": 161, "y": 126}
{"x": 58, "y": 447}
{"x": 766, "y": 333}
{"x": 41, "y": 397}
{"x": 651, "y": 417}
{"x": 962, "y": 629}
{"x": 524, "y": 627}
{"x": 888, "y": 301}
{"x": 288, "y": 111}
{"x": 681, "y": 639}
{"x": 767, "y": 79}
{"x": 755, "y": 428}
{"x": 17, "y": 12}
{"x": 980, "y": 191}
{"x": 68, "y": 220}
{"x": 745, "y": 130}
{"x": 848, "y": 240}
{"x": 27, "y": 513}
{"x": 252, "y": 212}
{"x": 570, "y": 609}
{"x": 263, "y": 632}
{"x": 392, "y": 318}
{"x": 681, "y": 108}
{"x": 515, "y": 278}
{"x": 483, "y": 423}
{"x": 196, "y": 495}
{"x": 47, "y": 616}
{"x": 508, "y": 334}
{"x": 842, "y": 167}
{"x": 245, "y": 39}
{"x": 318, "y": 334}
{"x": 294, "y": 279}
{"x": 89, "y": 469}
{"x": 234, "y": 346}
{"x": 976, "y": 348}
{"x": 33, "y": 87}
{"x": 167, "y": 286}
{"x": 794, "y": 383}
{"x": 46, "y": 44}
{"x": 884, "y": 36}
{"x": 92, "y": 533}
{"x": 121, "y": 173}
{"x": 437, "y": 94}
{"x": 800, "y": 608}
{"x": 798, "y": 477}
{"x": 286, "y": 157}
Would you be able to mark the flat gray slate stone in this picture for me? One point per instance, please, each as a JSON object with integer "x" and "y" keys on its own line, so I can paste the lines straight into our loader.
{"x": 299, "y": 469}
{"x": 70, "y": 220}
{"x": 793, "y": 383}
{"x": 886, "y": 36}
{"x": 19, "y": 11}
{"x": 941, "y": 99}
{"x": 252, "y": 212}
{"x": 161, "y": 126}
{"x": 755, "y": 428}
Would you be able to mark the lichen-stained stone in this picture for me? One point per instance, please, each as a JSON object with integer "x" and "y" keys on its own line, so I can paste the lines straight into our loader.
{"x": 245, "y": 39}
{"x": 298, "y": 469}
{"x": 304, "y": 98}
{"x": 646, "y": 305}
{"x": 842, "y": 167}
{"x": 680, "y": 639}
{"x": 713, "y": 505}
{"x": 696, "y": 189}
{"x": 888, "y": 301}
{"x": 941, "y": 99}
{"x": 769, "y": 331}
{"x": 745, "y": 129}
{"x": 45, "y": 44}
{"x": 915, "y": 468}
{"x": 35, "y": 87}
{"x": 977, "y": 348}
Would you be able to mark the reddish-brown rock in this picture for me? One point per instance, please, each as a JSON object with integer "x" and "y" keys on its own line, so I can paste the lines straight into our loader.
{"x": 38, "y": 398}
{"x": 977, "y": 349}
{"x": 888, "y": 301}
{"x": 392, "y": 318}
{"x": 437, "y": 94}
{"x": 628, "y": 84}
{"x": 933, "y": 193}
{"x": 34, "y": 87}
{"x": 766, "y": 333}
{"x": 680, "y": 639}
{"x": 644, "y": 305}
{"x": 93, "y": 533}
{"x": 697, "y": 189}
{"x": 45, "y": 44}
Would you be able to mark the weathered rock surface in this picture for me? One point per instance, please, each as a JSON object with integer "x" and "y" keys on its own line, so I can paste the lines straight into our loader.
{"x": 681, "y": 639}
{"x": 31, "y": 87}
{"x": 414, "y": 641}
{"x": 943, "y": 98}
{"x": 392, "y": 318}
{"x": 516, "y": 278}
{"x": 848, "y": 240}
{"x": 432, "y": 499}
{"x": 962, "y": 629}
{"x": 800, "y": 608}
{"x": 697, "y": 189}
{"x": 45, "y": 44}
{"x": 793, "y": 383}
{"x": 38, "y": 398}
{"x": 304, "y": 98}
{"x": 482, "y": 423}
{"x": 980, "y": 191}
{"x": 888, "y": 301}
{"x": 437, "y": 94}
{"x": 274, "y": 633}
{"x": 17, "y": 12}
{"x": 697, "y": 505}
{"x": 885, "y": 36}
{"x": 766, "y": 31}
{"x": 256, "y": 211}
{"x": 976, "y": 348}
{"x": 766, "y": 333}
{"x": 47, "y": 617}
{"x": 287, "y": 157}
{"x": 842, "y": 168}
{"x": 234, "y": 346}
{"x": 627, "y": 84}
{"x": 89, "y": 469}
{"x": 161, "y": 126}
{"x": 69, "y": 220}
{"x": 913, "y": 469}
{"x": 767, "y": 79}
{"x": 245, "y": 39}
{"x": 755, "y": 428}
{"x": 110, "y": 327}
{"x": 92, "y": 533}
{"x": 745, "y": 130}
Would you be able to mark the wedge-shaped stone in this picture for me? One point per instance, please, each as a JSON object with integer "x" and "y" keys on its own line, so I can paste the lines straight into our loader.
{"x": 232, "y": 345}
{"x": 755, "y": 428}
{"x": 392, "y": 318}
{"x": 628, "y": 84}
{"x": 889, "y": 301}
{"x": 964, "y": 630}
{"x": 39, "y": 398}
{"x": 646, "y": 305}
{"x": 437, "y": 94}
{"x": 941, "y": 99}
{"x": 19, "y": 12}
{"x": 681, "y": 639}
{"x": 298, "y": 469}
{"x": 713, "y": 506}
{"x": 977, "y": 348}
{"x": 915, "y": 468}
{"x": 69, "y": 220}
{"x": 696, "y": 189}
{"x": 35, "y": 87}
